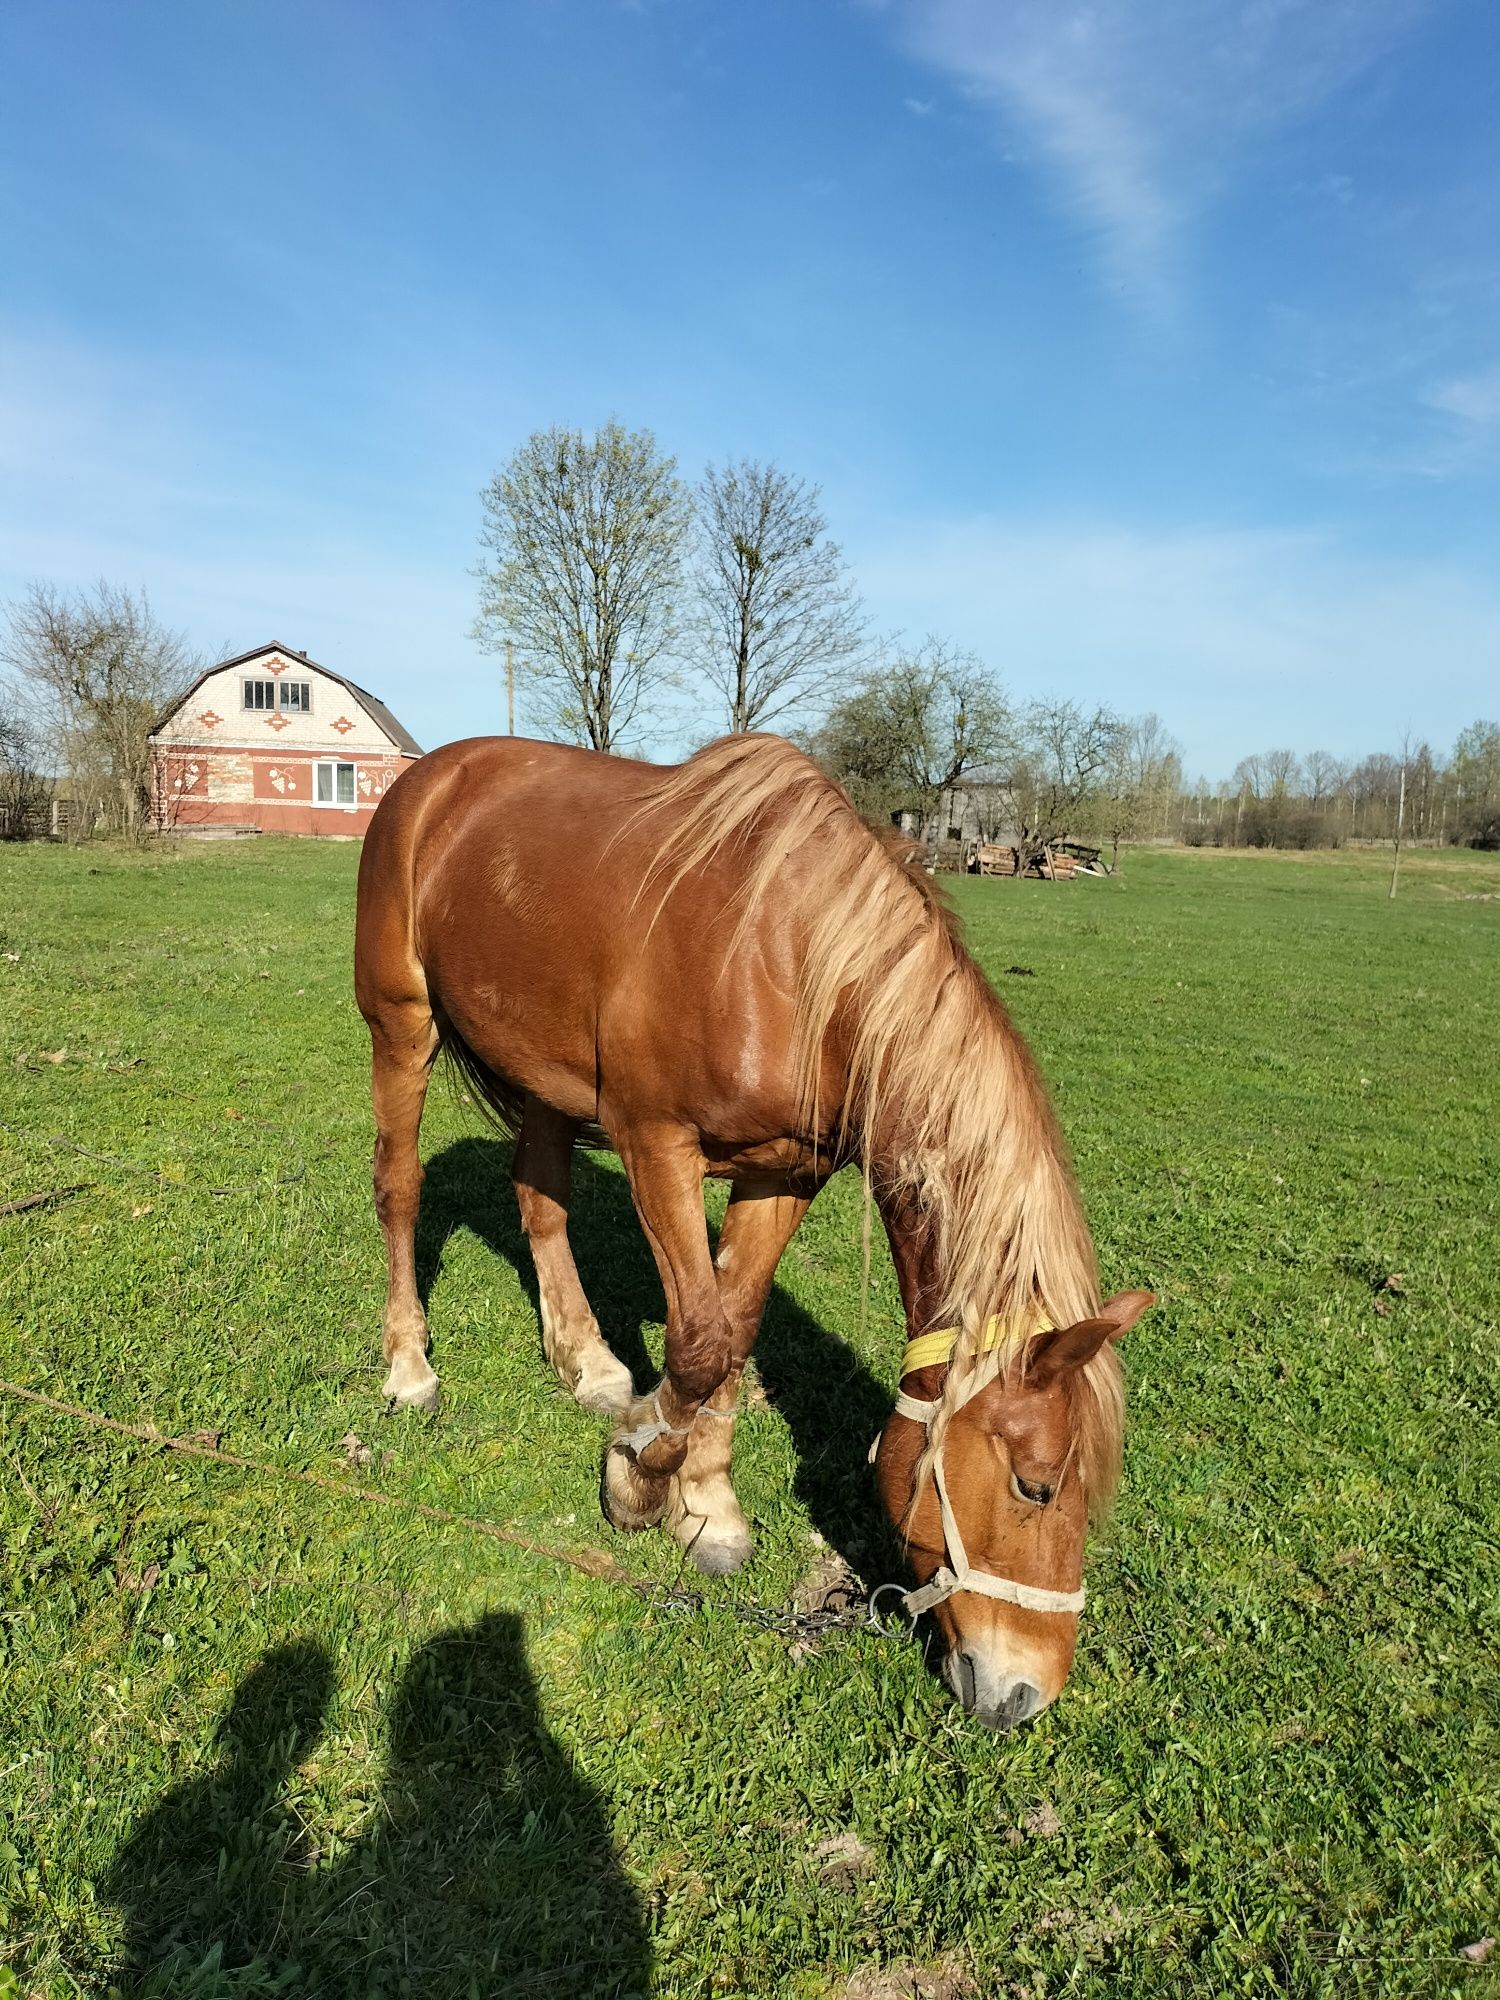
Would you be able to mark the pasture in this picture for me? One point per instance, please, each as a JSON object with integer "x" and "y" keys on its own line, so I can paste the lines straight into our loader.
{"x": 301, "y": 1743}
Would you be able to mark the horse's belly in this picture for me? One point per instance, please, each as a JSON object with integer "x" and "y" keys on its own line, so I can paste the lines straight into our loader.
{"x": 523, "y": 1013}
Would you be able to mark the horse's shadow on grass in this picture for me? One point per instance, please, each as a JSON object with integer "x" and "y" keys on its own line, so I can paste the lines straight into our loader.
{"x": 831, "y": 1403}
{"x": 487, "y": 1865}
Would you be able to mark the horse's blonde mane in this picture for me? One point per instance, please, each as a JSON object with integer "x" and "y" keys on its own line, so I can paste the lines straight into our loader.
{"x": 942, "y": 1101}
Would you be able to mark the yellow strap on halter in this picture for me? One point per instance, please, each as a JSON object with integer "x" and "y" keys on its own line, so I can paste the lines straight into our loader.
{"x": 930, "y": 1349}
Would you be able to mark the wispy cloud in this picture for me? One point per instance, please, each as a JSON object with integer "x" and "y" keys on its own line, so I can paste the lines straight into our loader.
{"x": 1140, "y": 111}
{"x": 1473, "y": 398}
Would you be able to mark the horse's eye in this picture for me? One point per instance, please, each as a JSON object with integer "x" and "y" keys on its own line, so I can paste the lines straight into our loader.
{"x": 1024, "y": 1489}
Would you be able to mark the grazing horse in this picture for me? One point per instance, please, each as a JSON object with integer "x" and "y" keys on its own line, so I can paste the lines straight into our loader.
{"x": 721, "y": 969}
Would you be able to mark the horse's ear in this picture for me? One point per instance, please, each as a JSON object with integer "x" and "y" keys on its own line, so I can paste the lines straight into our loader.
{"x": 1052, "y": 1354}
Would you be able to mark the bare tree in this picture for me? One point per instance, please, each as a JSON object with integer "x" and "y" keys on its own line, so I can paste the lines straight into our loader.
{"x": 1400, "y": 811}
{"x": 1272, "y": 781}
{"x": 1250, "y": 775}
{"x": 97, "y": 668}
{"x": 586, "y": 536}
{"x": 1060, "y": 780}
{"x": 1141, "y": 775}
{"x": 1476, "y": 781}
{"x": 1325, "y": 778}
{"x": 913, "y": 728}
{"x": 777, "y": 619}
{"x": 1376, "y": 782}
{"x": 25, "y": 788}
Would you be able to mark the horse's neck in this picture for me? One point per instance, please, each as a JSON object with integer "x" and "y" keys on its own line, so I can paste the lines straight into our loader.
{"x": 1021, "y": 1260}
{"x": 914, "y": 1252}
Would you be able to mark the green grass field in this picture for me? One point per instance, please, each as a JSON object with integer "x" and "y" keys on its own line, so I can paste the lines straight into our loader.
{"x": 258, "y": 1738}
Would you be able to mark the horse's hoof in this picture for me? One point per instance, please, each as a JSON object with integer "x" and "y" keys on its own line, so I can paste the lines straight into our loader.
{"x": 411, "y": 1384}
{"x": 722, "y": 1555}
{"x": 605, "y": 1386}
{"x": 631, "y": 1500}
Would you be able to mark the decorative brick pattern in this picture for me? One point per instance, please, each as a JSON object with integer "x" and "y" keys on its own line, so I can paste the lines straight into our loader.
{"x": 231, "y": 778}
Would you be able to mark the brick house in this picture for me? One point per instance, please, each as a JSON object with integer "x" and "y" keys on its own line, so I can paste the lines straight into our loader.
{"x": 273, "y": 741}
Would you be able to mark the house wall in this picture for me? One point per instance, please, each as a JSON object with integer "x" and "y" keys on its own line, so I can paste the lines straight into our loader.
{"x": 336, "y": 725}
{"x": 218, "y": 763}
{"x": 979, "y": 812}
{"x": 214, "y": 784}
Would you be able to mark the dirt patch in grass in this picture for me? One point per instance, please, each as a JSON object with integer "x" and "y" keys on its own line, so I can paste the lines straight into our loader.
{"x": 844, "y": 1861}
{"x": 943, "y": 1979}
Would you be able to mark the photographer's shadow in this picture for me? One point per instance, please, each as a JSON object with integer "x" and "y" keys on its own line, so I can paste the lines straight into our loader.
{"x": 832, "y": 1404}
{"x": 209, "y": 1870}
{"x": 487, "y": 1865}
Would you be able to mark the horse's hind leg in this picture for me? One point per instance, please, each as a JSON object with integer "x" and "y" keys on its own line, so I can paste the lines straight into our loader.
{"x": 404, "y": 1040}
{"x": 543, "y": 1174}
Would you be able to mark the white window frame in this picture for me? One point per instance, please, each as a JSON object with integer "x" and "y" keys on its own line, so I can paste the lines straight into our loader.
{"x": 262, "y": 682}
{"x": 303, "y": 703}
{"x": 335, "y": 765}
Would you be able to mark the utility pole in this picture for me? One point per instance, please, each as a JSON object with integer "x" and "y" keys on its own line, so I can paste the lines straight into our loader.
{"x": 1400, "y": 819}
{"x": 510, "y": 688}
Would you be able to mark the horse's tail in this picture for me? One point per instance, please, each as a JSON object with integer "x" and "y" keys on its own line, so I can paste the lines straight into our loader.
{"x": 501, "y": 1102}
{"x": 498, "y": 1099}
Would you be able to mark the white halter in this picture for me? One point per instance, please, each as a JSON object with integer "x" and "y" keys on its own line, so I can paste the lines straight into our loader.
{"x": 957, "y": 1573}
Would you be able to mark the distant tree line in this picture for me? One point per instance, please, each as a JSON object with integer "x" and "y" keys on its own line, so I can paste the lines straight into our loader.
{"x": 611, "y": 582}
{"x": 1280, "y": 799}
{"x": 615, "y": 581}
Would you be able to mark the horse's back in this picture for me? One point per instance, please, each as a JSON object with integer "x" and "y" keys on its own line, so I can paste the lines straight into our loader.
{"x": 450, "y": 833}
{"x": 516, "y": 881}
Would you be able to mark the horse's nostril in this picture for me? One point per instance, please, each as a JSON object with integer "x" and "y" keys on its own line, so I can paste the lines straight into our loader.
{"x": 965, "y": 1679}
{"x": 1020, "y": 1704}
{"x": 975, "y": 1682}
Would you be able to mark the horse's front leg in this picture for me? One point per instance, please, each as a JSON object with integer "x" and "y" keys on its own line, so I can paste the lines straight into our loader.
{"x": 702, "y": 1511}
{"x": 665, "y": 1169}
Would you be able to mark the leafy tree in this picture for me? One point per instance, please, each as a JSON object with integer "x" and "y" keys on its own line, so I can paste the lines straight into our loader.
{"x": 912, "y": 728}
{"x": 776, "y": 620}
{"x": 586, "y": 538}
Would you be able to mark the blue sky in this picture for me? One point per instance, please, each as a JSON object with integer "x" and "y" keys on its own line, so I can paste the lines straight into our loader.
{"x": 1151, "y": 349}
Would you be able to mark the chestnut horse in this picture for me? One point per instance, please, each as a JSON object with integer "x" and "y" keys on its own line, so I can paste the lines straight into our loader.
{"x": 721, "y": 969}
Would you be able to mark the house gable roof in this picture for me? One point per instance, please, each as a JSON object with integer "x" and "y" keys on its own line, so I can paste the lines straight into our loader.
{"x": 372, "y": 705}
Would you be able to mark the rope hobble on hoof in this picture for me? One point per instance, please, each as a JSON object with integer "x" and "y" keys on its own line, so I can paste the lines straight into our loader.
{"x": 632, "y": 1499}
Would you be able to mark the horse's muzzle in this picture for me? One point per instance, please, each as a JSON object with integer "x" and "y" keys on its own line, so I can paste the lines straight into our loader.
{"x": 996, "y": 1701}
